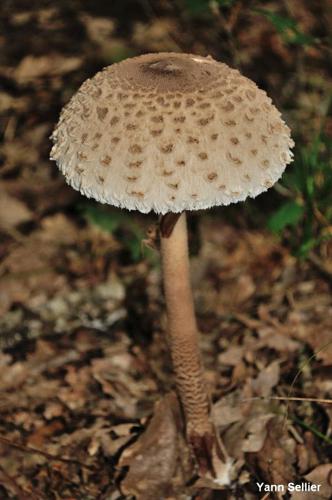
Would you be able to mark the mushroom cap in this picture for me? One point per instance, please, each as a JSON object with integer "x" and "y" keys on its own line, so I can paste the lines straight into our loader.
{"x": 170, "y": 132}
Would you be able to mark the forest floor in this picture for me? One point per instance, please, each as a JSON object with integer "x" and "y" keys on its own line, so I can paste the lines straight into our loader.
{"x": 85, "y": 376}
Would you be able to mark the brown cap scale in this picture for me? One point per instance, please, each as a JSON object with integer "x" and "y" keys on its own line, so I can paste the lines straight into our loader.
{"x": 171, "y": 132}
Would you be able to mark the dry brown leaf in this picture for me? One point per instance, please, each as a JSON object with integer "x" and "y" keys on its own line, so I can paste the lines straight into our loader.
{"x": 8, "y": 102}
{"x": 159, "y": 461}
{"x": 33, "y": 67}
{"x": 99, "y": 29}
{"x": 255, "y": 433}
{"x": 306, "y": 453}
{"x": 277, "y": 457}
{"x": 235, "y": 293}
{"x": 272, "y": 338}
{"x": 156, "y": 35}
{"x": 232, "y": 356}
{"x": 28, "y": 271}
{"x": 319, "y": 336}
{"x": 43, "y": 432}
{"x": 321, "y": 475}
{"x": 12, "y": 211}
{"x": 58, "y": 229}
{"x": 226, "y": 412}
{"x": 246, "y": 419}
{"x": 102, "y": 438}
{"x": 266, "y": 379}
{"x": 116, "y": 373}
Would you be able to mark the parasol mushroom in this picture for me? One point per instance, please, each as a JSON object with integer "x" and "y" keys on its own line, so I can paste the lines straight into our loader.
{"x": 170, "y": 133}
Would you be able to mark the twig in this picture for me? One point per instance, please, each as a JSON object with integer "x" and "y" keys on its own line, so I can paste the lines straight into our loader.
{"x": 29, "y": 449}
{"x": 286, "y": 398}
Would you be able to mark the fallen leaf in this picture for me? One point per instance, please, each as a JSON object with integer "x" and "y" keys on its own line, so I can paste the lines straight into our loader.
{"x": 156, "y": 35}
{"x": 256, "y": 432}
{"x": 269, "y": 337}
{"x": 321, "y": 475}
{"x": 232, "y": 356}
{"x": 276, "y": 458}
{"x": 99, "y": 29}
{"x": 266, "y": 379}
{"x": 33, "y": 67}
{"x": 319, "y": 337}
{"x": 159, "y": 461}
{"x": 245, "y": 419}
{"x": 12, "y": 211}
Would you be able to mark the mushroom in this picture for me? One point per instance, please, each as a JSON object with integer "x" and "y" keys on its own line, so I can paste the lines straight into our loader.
{"x": 170, "y": 133}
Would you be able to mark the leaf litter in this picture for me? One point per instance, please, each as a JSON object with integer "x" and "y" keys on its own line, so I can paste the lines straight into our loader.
{"x": 86, "y": 405}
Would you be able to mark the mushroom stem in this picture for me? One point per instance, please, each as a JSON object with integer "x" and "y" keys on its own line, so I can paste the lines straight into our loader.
{"x": 184, "y": 346}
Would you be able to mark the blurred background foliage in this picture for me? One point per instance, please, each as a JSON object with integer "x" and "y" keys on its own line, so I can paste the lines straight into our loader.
{"x": 302, "y": 213}
{"x": 283, "y": 46}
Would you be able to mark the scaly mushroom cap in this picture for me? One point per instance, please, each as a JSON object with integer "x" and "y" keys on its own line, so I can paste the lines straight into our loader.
{"x": 171, "y": 132}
